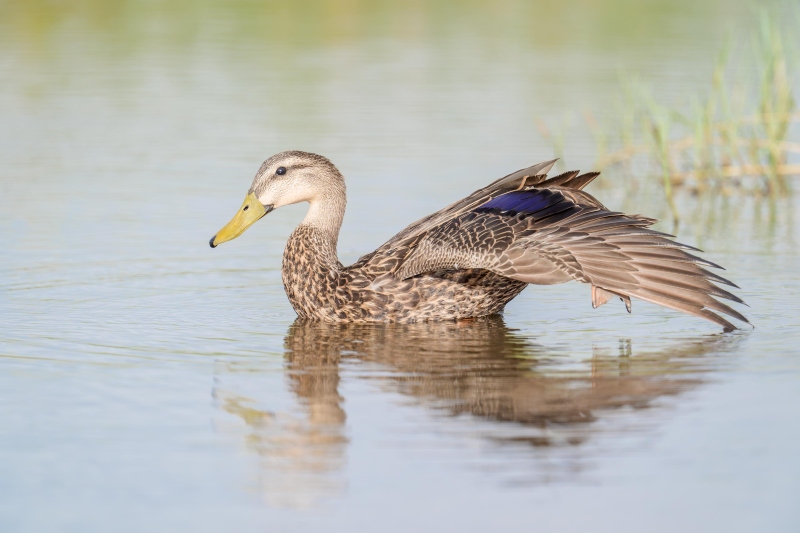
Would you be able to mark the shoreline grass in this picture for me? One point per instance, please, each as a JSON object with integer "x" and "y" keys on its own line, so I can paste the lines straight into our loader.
{"x": 739, "y": 138}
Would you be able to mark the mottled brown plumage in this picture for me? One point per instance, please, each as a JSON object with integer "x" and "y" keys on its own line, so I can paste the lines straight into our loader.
{"x": 472, "y": 257}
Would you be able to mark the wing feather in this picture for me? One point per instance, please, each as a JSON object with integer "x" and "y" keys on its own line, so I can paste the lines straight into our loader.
{"x": 546, "y": 236}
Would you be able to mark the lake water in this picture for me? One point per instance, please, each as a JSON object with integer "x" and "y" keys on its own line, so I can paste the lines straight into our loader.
{"x": 150, "y": 383}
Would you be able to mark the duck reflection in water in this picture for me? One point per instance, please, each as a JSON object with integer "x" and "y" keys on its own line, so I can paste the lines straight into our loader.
{"x": 522, "y": 393}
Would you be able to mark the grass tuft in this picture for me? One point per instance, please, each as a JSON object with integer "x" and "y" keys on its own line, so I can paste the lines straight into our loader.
{"x": 739, "y": 138}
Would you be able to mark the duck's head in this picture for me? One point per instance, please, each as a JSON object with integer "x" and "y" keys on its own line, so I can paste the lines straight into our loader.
{"x": 284, "y": 179}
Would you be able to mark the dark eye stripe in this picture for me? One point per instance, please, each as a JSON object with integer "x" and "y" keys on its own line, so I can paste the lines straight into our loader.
{"x": 281, "y": 171}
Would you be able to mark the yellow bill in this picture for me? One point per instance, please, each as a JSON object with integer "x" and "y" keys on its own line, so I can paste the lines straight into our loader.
{"x": 251, "y": 211}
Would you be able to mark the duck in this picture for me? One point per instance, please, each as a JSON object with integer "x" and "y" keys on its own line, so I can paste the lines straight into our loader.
{"x": 471, "y": 258}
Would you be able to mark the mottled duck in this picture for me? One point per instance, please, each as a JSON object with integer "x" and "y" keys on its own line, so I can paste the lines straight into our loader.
{"x": 474, "y": 256}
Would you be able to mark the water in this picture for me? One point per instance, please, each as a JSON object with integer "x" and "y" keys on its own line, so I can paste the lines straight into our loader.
{"x": 151, "y": 383}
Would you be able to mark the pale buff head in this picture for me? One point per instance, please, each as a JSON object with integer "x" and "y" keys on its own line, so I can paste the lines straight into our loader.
{"x": 292, "y": 177}
{"x": 289, "y": 178}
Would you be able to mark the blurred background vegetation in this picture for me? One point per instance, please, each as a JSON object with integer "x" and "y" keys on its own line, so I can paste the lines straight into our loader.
{"x": 740, "y": 136}
{"x": 679, "y": 97}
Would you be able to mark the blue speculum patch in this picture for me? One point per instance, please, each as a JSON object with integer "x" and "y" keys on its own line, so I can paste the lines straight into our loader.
{"x": 523, "y": 201}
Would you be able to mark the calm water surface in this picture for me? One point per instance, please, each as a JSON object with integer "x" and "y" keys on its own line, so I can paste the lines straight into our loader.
{"x": 150, "y": 383}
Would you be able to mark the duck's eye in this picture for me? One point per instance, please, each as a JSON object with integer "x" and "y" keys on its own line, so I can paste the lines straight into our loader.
{"x": 281, "y": 171}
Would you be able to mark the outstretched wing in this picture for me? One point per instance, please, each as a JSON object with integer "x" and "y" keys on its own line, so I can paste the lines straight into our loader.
{"x": 551, "y": 233}
{"x": 405, "y": 238}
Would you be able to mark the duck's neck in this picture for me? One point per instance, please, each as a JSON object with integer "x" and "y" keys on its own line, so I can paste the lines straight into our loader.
{"x": 324, "y": 220}
{"x": 310, "y": 263}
